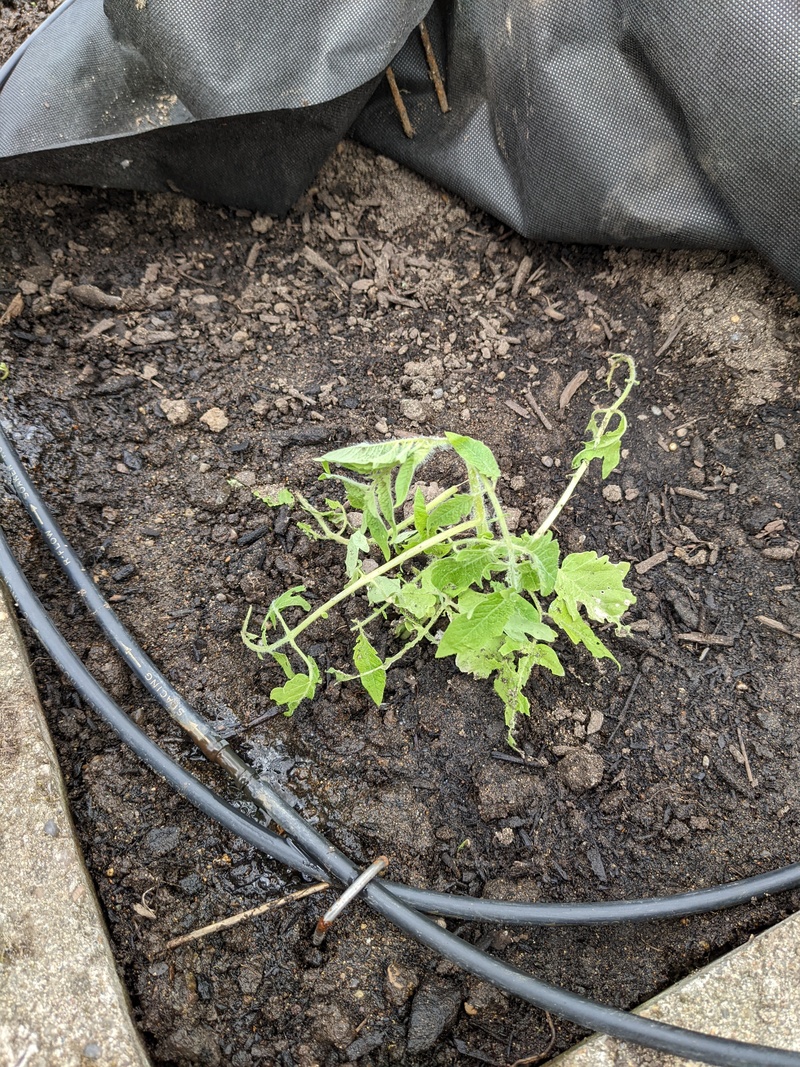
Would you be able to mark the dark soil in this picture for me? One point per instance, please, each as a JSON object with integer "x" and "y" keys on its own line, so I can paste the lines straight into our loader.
{"x": 412, "y": 328}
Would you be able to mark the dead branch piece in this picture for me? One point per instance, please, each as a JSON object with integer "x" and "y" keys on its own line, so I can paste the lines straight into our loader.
{"x": 323, "y": 266}
{"x": 652, "y": 561}
{"x": 405, "y": 121}
{"x": 743, "y": 750}
{"x": 673, "y": 333}
{"x": 521, "y": 275}
{"x": 707, "y": 639}
{"x": 571, "y": 388}
{"x": 774, "y": 624}
{"x": 433, "y": 67}
{"x": 518, "y": 409}
{"x": 232, "y": 920}
{"x": 540, "y": 415}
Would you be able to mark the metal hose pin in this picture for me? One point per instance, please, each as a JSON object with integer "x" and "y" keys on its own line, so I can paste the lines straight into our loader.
{"x": 352, "y": 891}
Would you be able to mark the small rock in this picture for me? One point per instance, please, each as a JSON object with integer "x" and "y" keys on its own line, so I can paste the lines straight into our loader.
{"x": 412, "y": 410}
{"x": 434, "y": 1010}
{"x": 581, "y": 769}
{"x": 215, "y": 419}
{"x": 595, "y": 723}
{"x": 261, "y": 224}
{"x": 177, "y": 412}
{"x": 399, "y": 984}
{"x": 247, "y": 478}
{"x": 612, "y": 493}
{"x": 92, "y": 297}
{"x": 780, "y": 442}
{"x": 513, "y": 515}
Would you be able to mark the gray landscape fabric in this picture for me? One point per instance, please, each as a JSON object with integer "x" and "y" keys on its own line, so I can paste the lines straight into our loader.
{"x": 655, "y": 123}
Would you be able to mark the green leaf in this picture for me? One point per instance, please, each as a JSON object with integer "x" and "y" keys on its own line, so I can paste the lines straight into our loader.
{"x": 420, "y": 513}
{"x": 416, "y": 602}
{"x": 357, "y": 543}
{"x": 370, "y": 667}
{"x": 449, "y": 512}
{"x": 377, "y": 530}
{"x": 274, "y": 496}
{"x": 584, "y": 578}
{"x": 508, "y": 685}
{"x": 538, "y": 571}
{"x": 289, "y": 599}
{"x": 402, "y": 482}
{"x": 478, "y": 662}
{"x": 383, "y": 494}
{"x": 370, "y": 457}
{"x": 485, "y": 621}
{"x": 460, "y": 570}
{"x": 383, "y": 589}
{"x": 607, "y": 447}
{"x": 545, "y": 656}
{"x": 299, "y": 687}
{"x": 475, "y": 454}
{"x": 525, "y": 621}
{"x": 578, "y": 630}
{"x": 356, "y": 495}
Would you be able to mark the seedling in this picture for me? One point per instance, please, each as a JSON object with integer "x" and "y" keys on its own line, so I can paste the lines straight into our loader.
{"x": 448, "y": 570}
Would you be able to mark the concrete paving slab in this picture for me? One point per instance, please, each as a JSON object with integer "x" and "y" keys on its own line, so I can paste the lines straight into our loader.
{"x": 751, "y": 994}
{"x": 61, "y": 1000}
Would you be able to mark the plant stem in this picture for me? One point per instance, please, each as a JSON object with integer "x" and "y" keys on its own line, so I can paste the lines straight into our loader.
{"x": 366, "y": 579}
{"x": 561, "y": 503}
{"x": 597, "y": 433}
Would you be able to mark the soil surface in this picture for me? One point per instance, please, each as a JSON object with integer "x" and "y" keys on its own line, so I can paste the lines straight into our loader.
{"x": 217, "y": 346}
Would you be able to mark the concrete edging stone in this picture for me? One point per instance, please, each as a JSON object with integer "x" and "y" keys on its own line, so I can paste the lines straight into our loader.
{"x": 61, "y": 999}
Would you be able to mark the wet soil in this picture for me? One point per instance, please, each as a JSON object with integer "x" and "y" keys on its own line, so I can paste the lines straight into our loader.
{"x": 216, "y": 348}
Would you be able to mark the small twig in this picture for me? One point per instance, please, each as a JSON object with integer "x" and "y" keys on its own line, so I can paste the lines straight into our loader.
{"x": 651, "y": 561}
{"x": 571, "y": 388}
{"x": 433, "y": 67}
{"x": 232, "y": 920}
{"x": 625, "y": 706}
{"x": 198, "y": 281}
{"x": 721, "y": 640}
{"x": 750, "y": 777}
{"x": 774, "y": 624}
{"x": 518, "y": 409}
{"x": 243, "y": 728}
{"x": 405, "y": 121}
{"x": 525, "y": 1061}
{"x": 673, "y": 333}
{"x": 540, "y": 415}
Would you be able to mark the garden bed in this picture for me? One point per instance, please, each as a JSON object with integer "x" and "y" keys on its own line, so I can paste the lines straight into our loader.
{"x": 385, "y": 306}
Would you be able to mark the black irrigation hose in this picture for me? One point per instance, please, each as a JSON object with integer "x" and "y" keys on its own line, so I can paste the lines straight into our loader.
{"x": 217, "y": 749}
{"x": 717, "y": 1051}
{"x": 10, "y": 64}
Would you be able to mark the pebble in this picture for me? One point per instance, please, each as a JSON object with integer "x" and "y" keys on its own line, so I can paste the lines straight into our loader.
{"x": 177, "y": 412}
{"x": 547, "y": 461}
{"x": 612, "y": 493}
{"x": 215, "y": 419}
{"x": 581, "y": 770}
{"x": 780, "y": 442}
